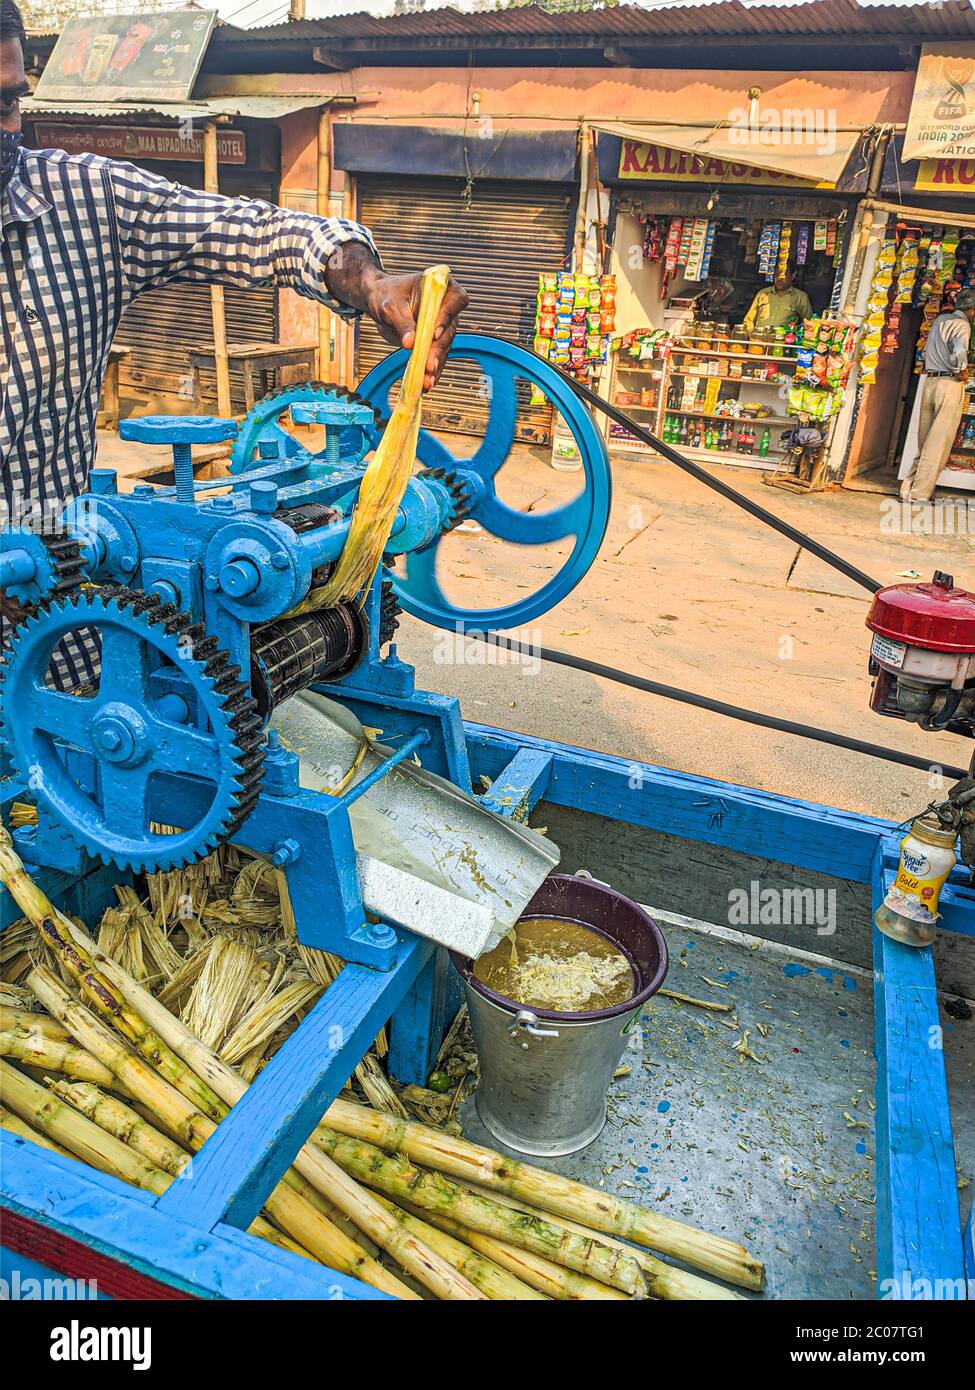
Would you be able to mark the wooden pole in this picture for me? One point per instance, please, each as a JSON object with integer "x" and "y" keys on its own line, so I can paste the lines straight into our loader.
{"x": 347, "y": 330}
{"x": 324, "y": 178}
{"x": 217, "y": 307}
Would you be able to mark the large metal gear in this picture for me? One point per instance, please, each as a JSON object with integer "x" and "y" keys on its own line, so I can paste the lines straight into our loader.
{"x": 168, "y": 701}
{"x": 261, "y": 426}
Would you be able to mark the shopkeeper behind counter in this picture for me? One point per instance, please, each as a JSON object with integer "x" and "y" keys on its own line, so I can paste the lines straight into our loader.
{"x": 777, "y": 304}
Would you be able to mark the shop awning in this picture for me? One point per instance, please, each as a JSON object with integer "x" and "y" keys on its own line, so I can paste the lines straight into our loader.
{"x": 260, "y": 108}
{"x": 815, "y": 154}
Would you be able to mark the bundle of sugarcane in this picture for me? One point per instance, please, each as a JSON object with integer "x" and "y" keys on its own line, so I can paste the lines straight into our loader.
{"x": 477, "y": 1237}
{"x": 534, "y": 1240}
{"x": 388, "y": 472}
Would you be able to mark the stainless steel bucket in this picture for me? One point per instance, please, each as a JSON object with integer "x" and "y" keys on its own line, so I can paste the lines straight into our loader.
{"x": 544, "y": 1074}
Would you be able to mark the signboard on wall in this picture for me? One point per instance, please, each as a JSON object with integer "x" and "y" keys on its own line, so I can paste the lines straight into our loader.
{"x": 956, "y": 176}
{"x": 137, "y": 143}
{"x": 657, "y": 163}
{"x": 112, "y": 58}
{"x": 941, "y": 122}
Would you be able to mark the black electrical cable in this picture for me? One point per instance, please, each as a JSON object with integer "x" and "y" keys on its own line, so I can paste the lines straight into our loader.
{"x": 687, "y": 697}
{"x": 747, "y": 716}
{"x": 715, "y": 484}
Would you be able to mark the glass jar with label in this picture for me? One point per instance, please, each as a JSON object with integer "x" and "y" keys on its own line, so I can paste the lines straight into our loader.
{"x": 909, "y": 912}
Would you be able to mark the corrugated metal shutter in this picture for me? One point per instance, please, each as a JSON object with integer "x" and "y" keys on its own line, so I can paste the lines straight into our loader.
{"x": 496, "y": 248}
{"x": 162, "y": 325}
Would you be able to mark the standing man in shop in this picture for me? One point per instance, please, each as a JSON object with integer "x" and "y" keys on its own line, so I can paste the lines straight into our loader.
{"x": 774, "y": 306}
{"x": 942, "y": 396}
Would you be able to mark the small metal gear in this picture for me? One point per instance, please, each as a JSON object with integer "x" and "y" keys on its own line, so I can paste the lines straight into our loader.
{"x": 458, "y": 491}
{"x": 389, "y": 611}
{"x": 130, "y": 727}
{"x": 58, "y": 566}
{"x": 261, "y": 423}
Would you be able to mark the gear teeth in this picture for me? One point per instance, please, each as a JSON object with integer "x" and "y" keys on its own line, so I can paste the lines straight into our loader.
{"x": 218, "y": 675}
{"x": 260, "y": 415}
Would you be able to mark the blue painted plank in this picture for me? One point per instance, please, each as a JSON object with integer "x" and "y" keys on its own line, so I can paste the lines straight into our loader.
{"x": 119, "y": 1222}
{"x": 919, "y": 1248}
{"x": 522, "y": 784}
{"x": 796, "y": 832}
{"x": 969, "y": 1244}
{"x": 245, "y": 1158}
{"x": 418, "y": 1025}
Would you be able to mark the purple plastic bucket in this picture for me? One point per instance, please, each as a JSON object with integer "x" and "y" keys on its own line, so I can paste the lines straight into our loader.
{"x": 545, "y": 1073}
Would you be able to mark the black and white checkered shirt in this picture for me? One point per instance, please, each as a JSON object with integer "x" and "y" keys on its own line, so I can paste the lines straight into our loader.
{"x": 82, "y": 236}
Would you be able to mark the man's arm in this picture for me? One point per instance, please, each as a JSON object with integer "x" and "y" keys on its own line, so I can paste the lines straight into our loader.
{"x": 956, "y": 337}
{"x": 169, "y": 234}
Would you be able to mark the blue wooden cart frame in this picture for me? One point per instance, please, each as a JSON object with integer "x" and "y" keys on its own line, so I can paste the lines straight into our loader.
{"x": 192, "y": 1239}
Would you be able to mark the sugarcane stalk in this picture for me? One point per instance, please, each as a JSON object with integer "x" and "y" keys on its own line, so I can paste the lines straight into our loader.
{"x": 126, "y": 1124}
{"x": 66, "y": 1127}
{"x": 385, "y": 479}
{"x": 62, "y": 1127}
{"x": 13, "y": 1124}
{"x": 49, "y": 1054}
{"x": 549, "y": 1192}
{"x": 483, "y": 1273}
{"x": 285, "y": 1206}
{"x": 398, "y": 1178}
{"x": 111, "y": 1005}
{"x": 547, "y": 1278}
{"x": 136, "y": 1133}
{"x": 41, "y": 1024}
{"x": 664, "y": 1281}
{"x": 360, "y": 1206}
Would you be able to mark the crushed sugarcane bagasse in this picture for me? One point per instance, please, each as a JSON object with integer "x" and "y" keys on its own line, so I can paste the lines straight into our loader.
{"x": 552, "y": 964}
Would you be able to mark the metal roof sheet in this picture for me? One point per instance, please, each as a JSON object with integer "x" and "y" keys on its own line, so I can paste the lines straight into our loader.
{"x": 828, "y": 18}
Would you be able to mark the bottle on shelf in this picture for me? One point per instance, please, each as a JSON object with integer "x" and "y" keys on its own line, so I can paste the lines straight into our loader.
{"x": 764, "y": 442}
{"x": 683, "y": 429}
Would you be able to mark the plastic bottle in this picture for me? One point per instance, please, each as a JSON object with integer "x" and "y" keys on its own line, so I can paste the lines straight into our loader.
{"x": 764, "y": 442}
{"x": 909, "y": 912}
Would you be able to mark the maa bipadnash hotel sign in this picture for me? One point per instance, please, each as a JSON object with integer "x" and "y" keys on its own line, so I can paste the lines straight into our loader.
{"x": 660, "y": 164}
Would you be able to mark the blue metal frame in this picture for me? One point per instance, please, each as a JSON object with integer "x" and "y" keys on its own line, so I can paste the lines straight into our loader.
{"x": 192, "y": 1236}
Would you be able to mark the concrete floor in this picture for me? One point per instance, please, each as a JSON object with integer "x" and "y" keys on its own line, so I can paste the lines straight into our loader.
{"x": 689, "y": 590}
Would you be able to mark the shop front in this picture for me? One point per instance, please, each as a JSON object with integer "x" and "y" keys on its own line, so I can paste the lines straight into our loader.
{"x": 728, "y": 292}
{"x": 922, "y": 254}
{"x": 499, "y": 211}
